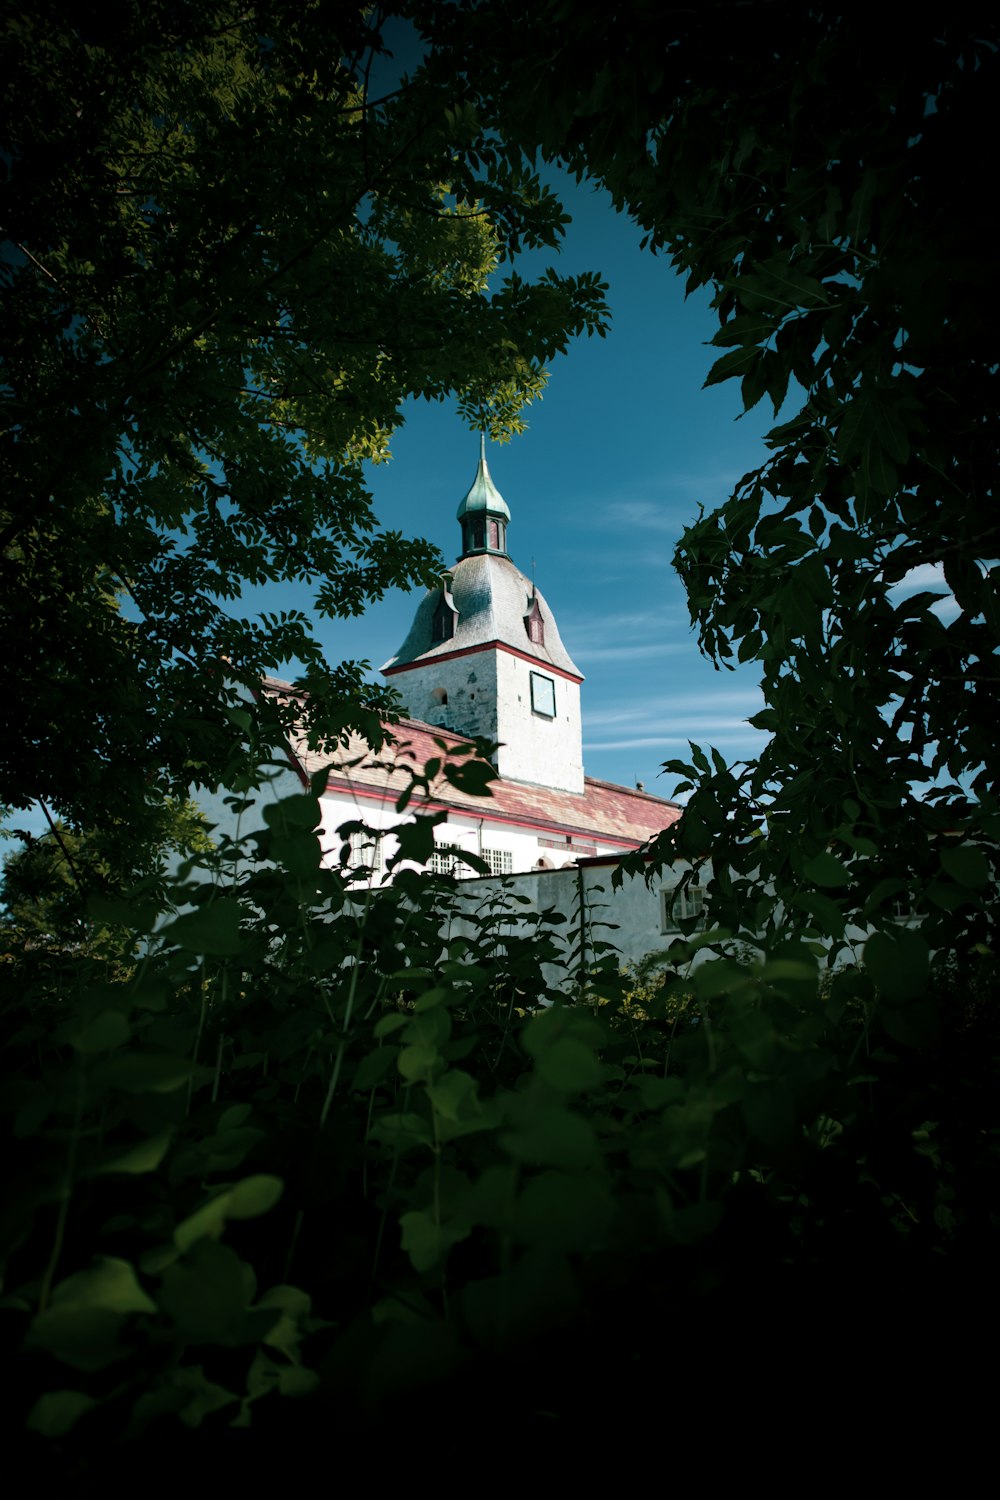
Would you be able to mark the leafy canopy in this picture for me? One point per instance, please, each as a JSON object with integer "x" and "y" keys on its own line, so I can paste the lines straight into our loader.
{"x": 231, "y": 255}
{"x": 831, "y": 194}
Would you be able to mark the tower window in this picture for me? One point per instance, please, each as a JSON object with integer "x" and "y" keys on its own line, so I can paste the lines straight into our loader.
{"x": 494, "y": 534}
{"x": 543, "y": 695}
{"x": 534, "y": 624}
{"x": 443, "y": 623}
{"x": 478, "y": 534}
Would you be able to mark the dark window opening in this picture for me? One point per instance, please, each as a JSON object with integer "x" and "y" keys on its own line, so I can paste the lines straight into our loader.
{"x": 443, "y": 624}
{"x": 478, "y": 534}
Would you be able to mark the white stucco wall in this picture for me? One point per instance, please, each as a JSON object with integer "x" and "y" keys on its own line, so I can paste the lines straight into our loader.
{"x": 536, "y": 748}
{"x": 630, "y": 918}
{"x": 470, "y": 683}
{"x": 489, "y": 694}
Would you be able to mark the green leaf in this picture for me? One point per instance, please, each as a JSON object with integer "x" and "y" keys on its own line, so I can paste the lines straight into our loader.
{"x": 899, "y": 964}
{"x": 472, "y": 777}
{"x": 254, "y": 1196}
{"x": 203, "y": 1395}
{"x": 145, "y": 1157}
{"x": 107, "y": 1031}
{"x": 825, "y": 869}
{"x": 298, "y": 813}
{"x": 145, "y": 1072}
{"x": 769, "y": 1113}
{"x": 568, "y": 1065}
{"x": 373, "y": 1068}
{"x": 388, "y": 1024}
{"x": 550, "y": 1136}
{"x": 426, "y": 1241}
{"x": 212, "y": 929}
{"x": 563, "y": 1213}
{"x": 294, "y": 1381}
{"x": 967, "y": 865}
{"x": 736, "y": 362}
{"x": 84, "y": 1317}
{"x": 110, "y": 1284}
{"x": 54, "y": 1414}
{"x": 249, "y": 1198}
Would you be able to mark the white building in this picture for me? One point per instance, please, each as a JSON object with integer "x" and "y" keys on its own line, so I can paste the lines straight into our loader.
{"x": 484, "y": 657}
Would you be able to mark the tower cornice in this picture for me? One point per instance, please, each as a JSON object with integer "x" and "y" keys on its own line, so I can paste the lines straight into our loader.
{"x": 440, "y": 656}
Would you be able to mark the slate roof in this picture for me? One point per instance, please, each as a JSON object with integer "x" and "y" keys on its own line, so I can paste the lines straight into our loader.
{"x": 603, "y": 811}
{"x": 492, "y": 598}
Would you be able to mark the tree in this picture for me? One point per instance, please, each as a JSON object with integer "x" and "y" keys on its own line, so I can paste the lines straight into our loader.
{"x": 230, "y": 257}
{"x": 48, "y": 884}
{"x": 830, "y": 193}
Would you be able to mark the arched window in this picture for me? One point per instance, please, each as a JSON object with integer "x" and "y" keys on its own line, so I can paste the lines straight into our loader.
{"x": 443, "y": 623}
{"x": 478, "y": 534}
{"x": 494, "y": 535}
{"x": 534, "y": 624}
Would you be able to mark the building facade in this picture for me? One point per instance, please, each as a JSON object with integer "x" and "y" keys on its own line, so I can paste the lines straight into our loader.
{"x": 483, "y": 658}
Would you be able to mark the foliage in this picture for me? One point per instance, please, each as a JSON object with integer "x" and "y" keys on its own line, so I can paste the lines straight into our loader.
{"x": 304, "y": 1166}
{"x": 236, "y": 242}
{"x": 323, "y": 1163}
{"x": 51, "y": 885}
{"x": 830, "y": 195}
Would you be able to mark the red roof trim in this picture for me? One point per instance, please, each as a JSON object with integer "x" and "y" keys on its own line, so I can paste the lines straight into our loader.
{"x": 425, "y": 661}
{"x": 374, "y": 795}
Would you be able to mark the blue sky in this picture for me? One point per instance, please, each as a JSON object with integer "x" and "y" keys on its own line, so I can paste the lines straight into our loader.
{"x": 619, "y": 454}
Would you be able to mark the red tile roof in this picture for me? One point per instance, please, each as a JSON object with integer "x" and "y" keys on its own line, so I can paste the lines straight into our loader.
{"x": 604, "y": 811}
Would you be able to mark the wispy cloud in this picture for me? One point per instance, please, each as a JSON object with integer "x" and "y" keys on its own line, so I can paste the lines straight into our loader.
{"x": 719, "y": 734}
{"x": 640, "y": 636}
{"x": 930, "y": 576}
{"x": 925, "y": 576}
{"x": 680, "y": 717}
{"x": 634, "y": 652}
{"x": 644, "y": 515}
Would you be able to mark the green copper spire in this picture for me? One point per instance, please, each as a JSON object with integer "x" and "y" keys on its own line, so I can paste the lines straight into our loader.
{"x": 483, "y": 513}
{"x": 483, "y": 497}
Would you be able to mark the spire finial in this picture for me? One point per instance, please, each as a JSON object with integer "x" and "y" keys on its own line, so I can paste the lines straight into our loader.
{"x": 482, "y": 445}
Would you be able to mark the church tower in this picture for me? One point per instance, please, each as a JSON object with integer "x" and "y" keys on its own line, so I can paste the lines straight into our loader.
{"x": 484, "y": 656}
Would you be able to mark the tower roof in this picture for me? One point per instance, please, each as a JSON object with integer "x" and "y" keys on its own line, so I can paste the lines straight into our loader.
{"x": 483, "y": 497}
{"x": 492, "y": 599}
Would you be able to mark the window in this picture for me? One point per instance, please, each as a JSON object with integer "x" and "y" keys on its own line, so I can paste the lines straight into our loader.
{"x": 443, "y": 623}
{"x": 443, "y": 861}
{"x": 366, "y": 851}
{"x": 500, "y": 861}
{"x": 543, "y": 695}
{"x": 681, "y": 906}
{"x": 494, "y": 534}
{"x": 534, "y": 624}
{"x": 478, "y": 534}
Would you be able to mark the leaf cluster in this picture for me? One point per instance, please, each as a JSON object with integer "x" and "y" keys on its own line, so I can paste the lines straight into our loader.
{"x": 829, "y": 196}
{"x": 232, "y": 255}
